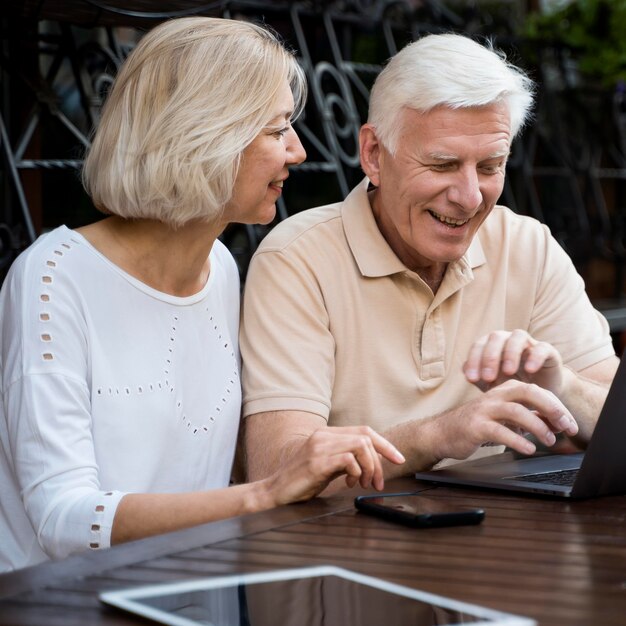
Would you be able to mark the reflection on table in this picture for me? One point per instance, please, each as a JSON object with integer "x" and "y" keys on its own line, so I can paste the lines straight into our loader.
{"x": 553, "y": 561}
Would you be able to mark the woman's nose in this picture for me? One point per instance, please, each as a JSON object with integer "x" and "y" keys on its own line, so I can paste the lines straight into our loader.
{"x": 295, "y": 150}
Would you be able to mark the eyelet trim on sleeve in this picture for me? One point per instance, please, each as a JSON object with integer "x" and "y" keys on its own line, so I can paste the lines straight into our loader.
{"x": 96, "y": 525}
{"x": 46, "y": 297}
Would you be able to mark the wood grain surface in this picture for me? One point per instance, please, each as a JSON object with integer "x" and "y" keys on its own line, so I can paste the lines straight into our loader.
{"x": 558, "y": 562}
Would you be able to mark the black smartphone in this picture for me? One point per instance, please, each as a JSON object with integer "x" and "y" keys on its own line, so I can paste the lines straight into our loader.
{"x": 418, "y": 511}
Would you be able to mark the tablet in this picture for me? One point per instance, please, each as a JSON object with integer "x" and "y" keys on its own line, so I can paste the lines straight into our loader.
{"x": 312, "y": 596}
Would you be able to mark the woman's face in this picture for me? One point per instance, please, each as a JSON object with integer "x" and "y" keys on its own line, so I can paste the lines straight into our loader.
{"x": 264, "y": 166}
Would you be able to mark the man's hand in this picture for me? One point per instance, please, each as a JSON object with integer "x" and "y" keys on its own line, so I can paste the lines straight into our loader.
{"x": 505, "y": 355}
{"x": 501, "y": 416}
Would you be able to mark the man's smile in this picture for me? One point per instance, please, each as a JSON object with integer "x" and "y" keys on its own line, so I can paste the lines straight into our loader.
{"x": 448, "y": 221}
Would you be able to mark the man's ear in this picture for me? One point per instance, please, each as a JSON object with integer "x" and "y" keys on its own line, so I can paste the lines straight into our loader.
{"x": 370, "y": 153}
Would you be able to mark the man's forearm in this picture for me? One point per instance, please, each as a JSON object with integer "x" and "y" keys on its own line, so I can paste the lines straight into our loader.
{"x": 270, "y": 439}
{"x": 415, "y": 439}
{"x": 584, "y": 398}
{"x": 263, "y": 460}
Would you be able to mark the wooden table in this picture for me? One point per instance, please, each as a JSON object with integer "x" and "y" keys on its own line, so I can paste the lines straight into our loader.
{"x": 557, "y": 562}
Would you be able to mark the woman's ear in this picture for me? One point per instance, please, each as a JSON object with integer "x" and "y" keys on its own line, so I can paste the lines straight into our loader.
{"x": 370, "y": 152}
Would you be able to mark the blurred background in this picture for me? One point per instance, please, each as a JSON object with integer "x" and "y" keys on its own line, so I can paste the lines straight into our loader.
{"x": 568, "y": 169}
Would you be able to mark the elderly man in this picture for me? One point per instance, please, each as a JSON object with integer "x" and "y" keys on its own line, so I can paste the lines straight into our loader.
{"x": 417, "y": 307}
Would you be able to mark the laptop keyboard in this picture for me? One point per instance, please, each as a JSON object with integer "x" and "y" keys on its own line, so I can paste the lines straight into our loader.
{"x": 561, "y": 477}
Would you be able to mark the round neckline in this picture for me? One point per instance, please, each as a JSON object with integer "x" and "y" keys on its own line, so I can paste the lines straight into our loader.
{"x": 138, "y": 284}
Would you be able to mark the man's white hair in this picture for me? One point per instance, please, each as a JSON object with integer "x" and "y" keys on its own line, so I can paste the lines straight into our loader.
{"x": 446, "y": 70}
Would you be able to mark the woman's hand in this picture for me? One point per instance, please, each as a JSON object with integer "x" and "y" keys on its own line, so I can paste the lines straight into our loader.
{"x": 353, "y": 451}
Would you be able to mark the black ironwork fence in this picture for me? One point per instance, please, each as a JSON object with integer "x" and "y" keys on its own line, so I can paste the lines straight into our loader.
{"x": 568, "y": 169}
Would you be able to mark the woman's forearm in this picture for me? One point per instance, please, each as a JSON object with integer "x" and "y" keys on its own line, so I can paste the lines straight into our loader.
{"x": 142, "y": 515}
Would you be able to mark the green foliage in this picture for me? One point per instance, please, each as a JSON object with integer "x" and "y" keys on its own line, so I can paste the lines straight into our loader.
{"x": 594, "y": 31}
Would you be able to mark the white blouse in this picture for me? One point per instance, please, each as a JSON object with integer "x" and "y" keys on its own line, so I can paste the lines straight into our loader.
{"x": 108, "y": 387}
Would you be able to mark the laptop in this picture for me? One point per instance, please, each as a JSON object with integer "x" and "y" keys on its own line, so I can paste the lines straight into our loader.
{"x": 599, "y": 471}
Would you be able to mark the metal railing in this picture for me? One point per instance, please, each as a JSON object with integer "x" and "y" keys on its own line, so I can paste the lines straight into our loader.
{"x": 568, "y": 169}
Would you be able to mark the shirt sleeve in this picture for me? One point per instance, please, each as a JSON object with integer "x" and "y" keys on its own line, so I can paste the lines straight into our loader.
{"x": 287, "y": 347}
{"x": 51, "y": 445}
{"x": 46, "y": 403}
{"x": 564, "y": 316}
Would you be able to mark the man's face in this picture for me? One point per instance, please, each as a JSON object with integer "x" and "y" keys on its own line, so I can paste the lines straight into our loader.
{"x": 446, "y": 176}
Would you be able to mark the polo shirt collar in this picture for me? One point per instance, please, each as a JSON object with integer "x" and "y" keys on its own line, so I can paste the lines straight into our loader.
{"x": 372, "y": 253}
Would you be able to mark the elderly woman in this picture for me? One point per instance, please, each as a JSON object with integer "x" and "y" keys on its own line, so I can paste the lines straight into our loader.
{"x": 119, "y": 353}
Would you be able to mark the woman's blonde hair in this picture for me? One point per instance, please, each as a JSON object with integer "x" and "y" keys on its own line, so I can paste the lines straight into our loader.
{"x": 188, "y": 100}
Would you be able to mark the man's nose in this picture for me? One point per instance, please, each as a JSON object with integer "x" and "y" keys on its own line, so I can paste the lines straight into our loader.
{"x": 465, "y": 190}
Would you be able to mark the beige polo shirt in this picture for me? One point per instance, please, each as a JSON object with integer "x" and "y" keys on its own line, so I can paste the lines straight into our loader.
{"x": 334, "y": 324}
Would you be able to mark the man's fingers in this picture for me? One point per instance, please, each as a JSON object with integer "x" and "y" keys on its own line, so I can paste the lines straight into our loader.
{"x": 550, "y": 409}
{"x": 472, "y": 366}
{"x": 566, "y": 424}
{"x": 499, "y": 344}
{"x": 515, "y": 349}
{"x": 503, "y": 435}
{"x": 504, "y": 353}
{"x": 536, "y": 410}
{"x": 499, "y": 352}
{"x": 541, "y": 355}
{"x": 488, "y": 356}
{"x": 517, "y": 418}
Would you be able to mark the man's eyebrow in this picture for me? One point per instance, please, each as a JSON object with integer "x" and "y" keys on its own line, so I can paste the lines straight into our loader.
{"x": 442, "y": 156}
{"x": 499, "y": 155}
